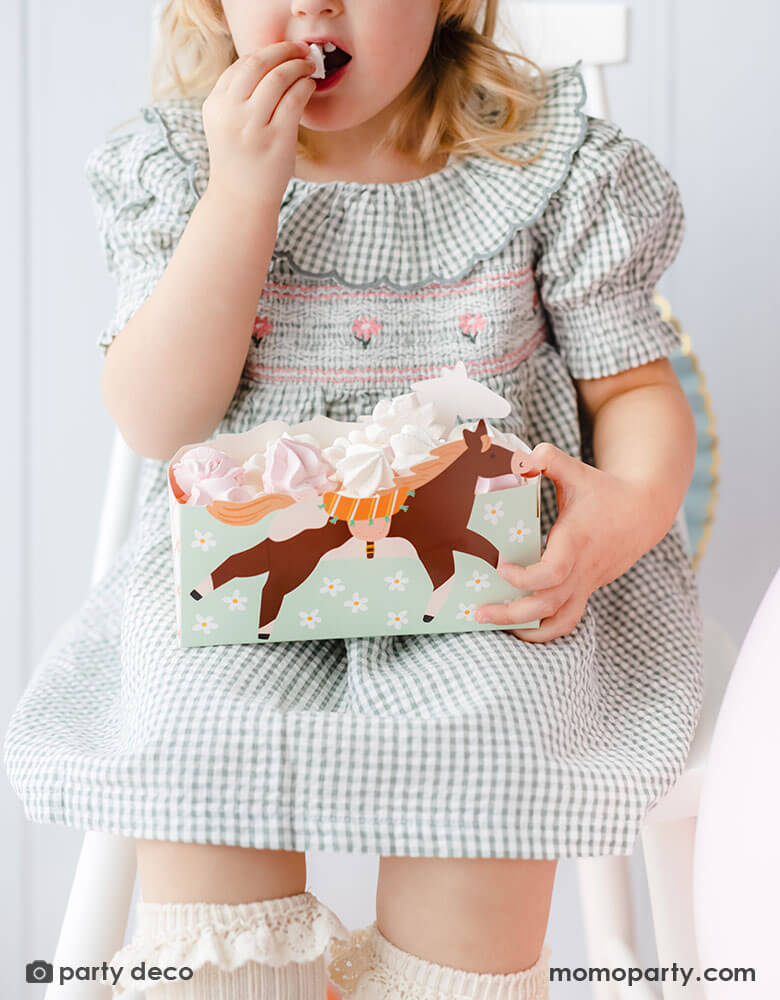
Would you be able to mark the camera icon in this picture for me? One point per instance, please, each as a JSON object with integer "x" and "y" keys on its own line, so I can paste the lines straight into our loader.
{"x": 39, "y": 972}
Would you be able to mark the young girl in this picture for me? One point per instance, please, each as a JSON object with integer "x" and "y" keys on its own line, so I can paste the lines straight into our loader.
{"x": 290, "y": 246}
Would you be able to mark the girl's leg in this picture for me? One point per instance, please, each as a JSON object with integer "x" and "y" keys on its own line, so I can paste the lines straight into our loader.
{"x": 480, "y": 914}
{"x": 171, "y": 872}
{"x": 239, "y": 919}
{"x": 466, "y": 927}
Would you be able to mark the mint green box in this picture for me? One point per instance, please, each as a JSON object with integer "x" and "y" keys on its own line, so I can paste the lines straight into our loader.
{"x": 415, "y": 560}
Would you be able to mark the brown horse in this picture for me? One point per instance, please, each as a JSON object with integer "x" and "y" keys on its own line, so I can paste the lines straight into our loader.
{"x": 435, "y": 521}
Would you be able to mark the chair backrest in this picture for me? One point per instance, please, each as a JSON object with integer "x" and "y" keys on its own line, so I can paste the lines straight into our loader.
{"x": 558, "y": 34}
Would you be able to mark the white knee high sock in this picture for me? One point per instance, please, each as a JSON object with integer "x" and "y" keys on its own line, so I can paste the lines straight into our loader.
{"x": 272, "y": 949}
{"x": 369, "y": 967}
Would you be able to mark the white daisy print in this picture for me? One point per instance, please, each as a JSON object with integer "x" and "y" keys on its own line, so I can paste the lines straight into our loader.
{"x": 479, "y": 581}
{"x": 331, "y": 587}
{"x": 357, "y": 603}
{"x": 396, "y": 619}
{"x": 493, "y": 511}
{"x": 518, "y": 533}
{"x": 236, "y": 601}
{"x": 397, "y": 582}
{"x": 309, "y": 618}
{"x": 466, "y": 611}
{"x": 203, "y": 540}
{"x": 205, "y": 624}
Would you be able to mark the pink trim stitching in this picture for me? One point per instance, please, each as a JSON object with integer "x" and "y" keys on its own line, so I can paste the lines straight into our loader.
{"x": 260, "y": 372}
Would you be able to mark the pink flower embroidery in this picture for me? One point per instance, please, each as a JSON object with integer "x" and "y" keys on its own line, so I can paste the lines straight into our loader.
{"x": 535, "y": 300}
{"x": 364, "y": 328}
{"x": 261, "y": 328}
{"x": 470, "y": 325}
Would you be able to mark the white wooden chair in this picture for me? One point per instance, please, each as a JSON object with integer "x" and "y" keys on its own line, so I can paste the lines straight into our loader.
{"x": 94, "y": 925}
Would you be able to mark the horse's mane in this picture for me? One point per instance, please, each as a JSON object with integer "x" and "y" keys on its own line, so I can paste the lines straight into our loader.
{"x": 425, "y": 471}
{"x": 252, "y": 511}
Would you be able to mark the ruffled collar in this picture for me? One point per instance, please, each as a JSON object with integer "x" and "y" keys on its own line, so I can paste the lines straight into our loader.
{"x": 409, "y": 233}
{"x": 433, "y": 228}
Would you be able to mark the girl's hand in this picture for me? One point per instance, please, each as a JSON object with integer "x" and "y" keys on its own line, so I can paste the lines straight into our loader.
{"x": 251, "y": 122}
{"x": 599, "y": 534}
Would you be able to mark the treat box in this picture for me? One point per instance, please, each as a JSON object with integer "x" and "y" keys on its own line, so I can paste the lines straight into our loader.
{"x": 417, "y": 559}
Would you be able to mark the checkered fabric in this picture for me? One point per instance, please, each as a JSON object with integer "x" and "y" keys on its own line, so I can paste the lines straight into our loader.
{"x": 475, "y": 744}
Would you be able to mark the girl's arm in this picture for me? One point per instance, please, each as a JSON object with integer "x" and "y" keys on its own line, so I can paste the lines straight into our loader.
{"x": 168, "y": 380}
{"x": 610, "y": 514}
{"x": 644, "y": 432}
{"x": 170, "y": 376}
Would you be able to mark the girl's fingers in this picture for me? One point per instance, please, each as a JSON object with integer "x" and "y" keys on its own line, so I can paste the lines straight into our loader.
{"x": 565, "y": 471}
{"x": 272, "y": 89}
{"x": 552, "y": 462}
{"x": 553, "y": 569}
{"x": 244, "y": 75}
{"x": 290, "y": 107}
{"x": 563, "y": 622}
{"x": 543, "y": 604}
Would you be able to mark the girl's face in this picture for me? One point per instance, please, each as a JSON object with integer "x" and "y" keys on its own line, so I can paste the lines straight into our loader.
{"x": 387, "y": 39}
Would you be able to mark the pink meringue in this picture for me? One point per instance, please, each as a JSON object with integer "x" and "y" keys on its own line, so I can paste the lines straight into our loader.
{"x": 206, "y": 474}
{"x": 295, "y": 467}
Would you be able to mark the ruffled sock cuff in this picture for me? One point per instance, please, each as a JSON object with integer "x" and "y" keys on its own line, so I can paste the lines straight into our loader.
{"x": 370, "y": 966}
{"x": 273, "y": 932}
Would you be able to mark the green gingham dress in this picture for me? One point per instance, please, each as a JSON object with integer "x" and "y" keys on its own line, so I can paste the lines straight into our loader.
{"x": 475, "y": 744}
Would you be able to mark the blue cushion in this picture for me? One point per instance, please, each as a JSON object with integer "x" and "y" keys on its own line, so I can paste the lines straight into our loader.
{"x": 702, "y": 496}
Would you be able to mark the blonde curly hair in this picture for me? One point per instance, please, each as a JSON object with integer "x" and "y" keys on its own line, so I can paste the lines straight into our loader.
{"x": 463, "y": 66}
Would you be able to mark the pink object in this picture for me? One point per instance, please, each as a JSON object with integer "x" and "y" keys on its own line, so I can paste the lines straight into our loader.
{"x": 736, "y": 861}
{"x": 497, "y": 483}
{"x": 296, "y": 468}
{"x": 207, "y": 474}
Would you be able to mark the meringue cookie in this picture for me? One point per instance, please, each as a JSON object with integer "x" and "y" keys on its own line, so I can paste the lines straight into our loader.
{"x": 210, "y": 490}
{"x": 411, "y": 446}
{"x": 206, "y": 474}
{"x": 254, "y": 467}
{"x": 335, "y": 452}
{"x": 295, "y": 467}
{"x": 390, "y": 416}
{"x": 364, "y": 471}
{"x": 315, "y": 53}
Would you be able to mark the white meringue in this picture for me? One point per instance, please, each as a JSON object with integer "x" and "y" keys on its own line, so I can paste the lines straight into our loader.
{"x": 390, "y": 416}
{"x": 315, "y": 52}
{"x": 341, "y": 445}
{"x": 411, "y": 446}
{"x": 364, "y": 470}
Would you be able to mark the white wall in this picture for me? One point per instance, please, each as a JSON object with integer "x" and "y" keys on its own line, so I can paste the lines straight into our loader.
{"x": 699, "y": 88}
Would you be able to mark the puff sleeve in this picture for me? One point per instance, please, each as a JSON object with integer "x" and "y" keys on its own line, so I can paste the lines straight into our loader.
{"x": 603, "y": 241}
{"x": 144, "y": 185}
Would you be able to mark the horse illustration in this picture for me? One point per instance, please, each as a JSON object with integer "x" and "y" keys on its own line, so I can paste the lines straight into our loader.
{"x": 433, "y": 524}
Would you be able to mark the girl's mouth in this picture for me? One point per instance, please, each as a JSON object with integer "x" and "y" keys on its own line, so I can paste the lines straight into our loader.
{"x": 331, "y": 78}
{"x": 336, "y": 62}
